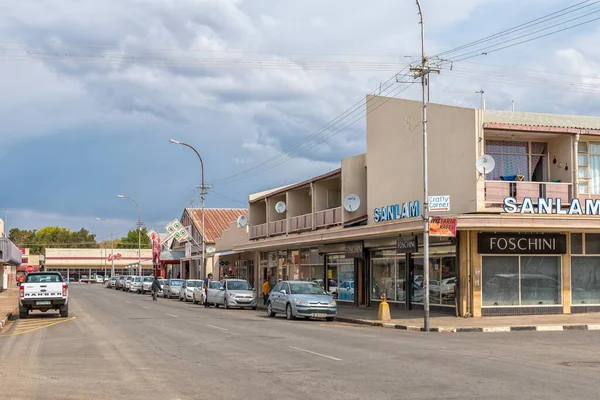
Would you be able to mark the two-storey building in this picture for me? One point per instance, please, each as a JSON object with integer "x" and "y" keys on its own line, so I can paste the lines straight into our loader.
{"x": 528, "y": 239}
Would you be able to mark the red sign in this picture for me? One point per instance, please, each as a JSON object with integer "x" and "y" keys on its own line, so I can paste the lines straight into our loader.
{"x": 23, "y": 251}
{"x": 29, "y": 269}
{"x": 117, "y": 256}
{"x": 440, "y": 226}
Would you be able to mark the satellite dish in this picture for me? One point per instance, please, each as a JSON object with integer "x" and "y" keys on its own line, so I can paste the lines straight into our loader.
{"x": 485, "y": 164}
{"x": 210, "y": 249}
{"x": 280, "y": 207}
{"x": 242, "y": 221}
{"x": 351, "y": 202}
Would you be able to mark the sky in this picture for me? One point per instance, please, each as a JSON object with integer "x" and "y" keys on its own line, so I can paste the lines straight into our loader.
{"x": 92, "y": 91}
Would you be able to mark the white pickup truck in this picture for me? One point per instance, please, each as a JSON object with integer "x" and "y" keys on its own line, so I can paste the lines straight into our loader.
{"x": 44, "y": 291}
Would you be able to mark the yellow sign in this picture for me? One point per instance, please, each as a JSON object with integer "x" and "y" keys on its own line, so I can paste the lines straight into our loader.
{"x": 439, "y": 226}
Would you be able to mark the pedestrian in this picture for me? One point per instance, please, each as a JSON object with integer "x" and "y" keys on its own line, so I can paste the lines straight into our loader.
{"x": 266, "y": 289}
{"x": 155, "y": 289}
{"x": 207, "y": 282}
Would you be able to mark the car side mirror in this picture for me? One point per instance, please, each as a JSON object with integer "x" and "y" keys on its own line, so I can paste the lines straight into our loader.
{"x": 221, "y": 288}
{"x": 283, "y": 291}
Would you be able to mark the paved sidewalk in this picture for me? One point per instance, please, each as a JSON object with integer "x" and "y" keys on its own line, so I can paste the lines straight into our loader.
{"x": 8, "y": 305}
{"x": 440, "y": 322}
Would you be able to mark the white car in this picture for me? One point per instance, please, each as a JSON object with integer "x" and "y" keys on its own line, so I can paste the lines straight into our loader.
{"x": 147, "y": 284}
{"x": 135, "y": 284}
{"x": 43, "y": 291}
{"x": 186, "y": 290}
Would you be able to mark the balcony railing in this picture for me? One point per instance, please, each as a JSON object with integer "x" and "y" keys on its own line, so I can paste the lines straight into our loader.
{"x": 332, "y": 216}
{"x": 301, "y": 223}
{"x": 258, "y": 231}
{"x": 277, "y": 227}
{"x": 497, "y": 191}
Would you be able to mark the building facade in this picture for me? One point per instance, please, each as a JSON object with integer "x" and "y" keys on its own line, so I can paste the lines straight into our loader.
{"x": 10, "y": 259}
{"x": 528, "y": 233}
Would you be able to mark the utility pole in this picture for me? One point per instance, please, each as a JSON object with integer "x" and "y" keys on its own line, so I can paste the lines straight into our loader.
{"x": 6, "y": 210}
{"x": 423, "y": 71}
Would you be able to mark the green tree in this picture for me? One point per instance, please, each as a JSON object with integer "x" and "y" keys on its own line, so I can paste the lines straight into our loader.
{"x": 22, "y": 238}
{"x": 52, "y": 236}
{"x": 131, "y": 240}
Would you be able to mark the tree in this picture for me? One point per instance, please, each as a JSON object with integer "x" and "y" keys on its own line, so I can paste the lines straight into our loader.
{"x": 131, "y": 240}
{"x": 52, "y": 236}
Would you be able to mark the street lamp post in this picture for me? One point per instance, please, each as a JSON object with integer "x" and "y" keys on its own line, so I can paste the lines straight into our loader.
{"x": 139, "y": 225}
{"x": 202, "y": 194}
{"x": 112, "y": 252}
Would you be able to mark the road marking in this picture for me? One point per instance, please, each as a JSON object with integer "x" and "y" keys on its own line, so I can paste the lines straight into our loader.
{"x": 147, "y": 308}
{"x": 127, "y": 302}
{"x": 23, "y": 327}
{"x": 172, "y": 315}
{"x": 316, "y": 354}
{"x": 218, "y": 327}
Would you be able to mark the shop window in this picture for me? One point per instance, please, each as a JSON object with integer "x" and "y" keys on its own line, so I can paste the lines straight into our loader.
{"x": 585, "y": 280}
{"x": 592, "y": 243}
{"x": 442, "y": 280}
{"x": 311, "y": 266}
{"x": 383, "y": 279}
{"x": 576, "y": 243}
{"x": 521, "y": 280}
{"x": 340, "y": 274}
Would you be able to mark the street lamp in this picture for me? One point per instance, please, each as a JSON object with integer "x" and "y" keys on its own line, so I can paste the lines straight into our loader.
{"x": 139, "y": 225}
{"x": 202, "y": 194}
{"x": 112, "y": 253}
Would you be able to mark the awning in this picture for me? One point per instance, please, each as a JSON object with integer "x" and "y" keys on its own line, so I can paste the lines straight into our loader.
{"x": 171, "y": 255}
{"x": 9, "y": 253}
{"x": 227, "y": 253}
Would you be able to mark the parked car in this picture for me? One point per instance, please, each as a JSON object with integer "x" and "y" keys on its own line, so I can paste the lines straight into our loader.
{"x": 127, "y": 284}
{"x": 110, "y": 283}
{"x": 171, "y": 288}
{"x": 147, "y": 284}
{"x": 235, "y": 293}
{"x": 120, "y": 283}
{"x": 43, "y": 291}
{"x": 214, "y": 290}
{"x": 301, "y": 299}
{"x": 186, "y": 290}
{"x": 135, "y": 286}
{"x": 162, "y": 284}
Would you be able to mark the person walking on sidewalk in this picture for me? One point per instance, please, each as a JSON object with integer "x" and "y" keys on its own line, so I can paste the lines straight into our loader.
{"x": 207, "y": 283}
{"x": 266, "y": 289}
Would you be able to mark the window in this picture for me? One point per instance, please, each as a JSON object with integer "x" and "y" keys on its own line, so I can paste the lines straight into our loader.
{"x": 585, "y": 280}
{"x": 340, "y": 270}
{"x": 529, "y": 159}
{"x": 588, "y": 164}
{"x": 521, "y": 280}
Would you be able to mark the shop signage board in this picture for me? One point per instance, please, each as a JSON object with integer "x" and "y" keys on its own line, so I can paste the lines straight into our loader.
{"x": 521, "y": 243}
{"x": 392, "y": 212}
{"x": 551, "y": 206}
{"x": 439, "y": 203}
{"x": 407, "y": 244}
{"x": 188, "y": 250}
{"x": 354, "y": 249}
{"x": 440, "y": 226}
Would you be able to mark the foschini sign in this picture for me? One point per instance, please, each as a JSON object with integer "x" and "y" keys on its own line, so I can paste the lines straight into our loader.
{"x": 521, "y": 243}
{"x": 551, "y": 206}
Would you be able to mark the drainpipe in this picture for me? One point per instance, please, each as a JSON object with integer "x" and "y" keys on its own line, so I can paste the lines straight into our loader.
{"x": 468, "y": 311}
{"x": 575, "y": 164}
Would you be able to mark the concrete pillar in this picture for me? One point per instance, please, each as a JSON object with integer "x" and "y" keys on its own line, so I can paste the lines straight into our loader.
{"x": 566, "y": 277}
{"x": 464, "y": 257}
{"x": 475, "y": 276}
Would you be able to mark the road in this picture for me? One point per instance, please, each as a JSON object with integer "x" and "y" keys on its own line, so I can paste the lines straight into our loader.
{"x": 124, "y": 346}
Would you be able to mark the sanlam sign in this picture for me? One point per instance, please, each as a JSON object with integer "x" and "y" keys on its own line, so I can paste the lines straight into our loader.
{"x": 552, "y": 206}
{"x": 393, "y": 212}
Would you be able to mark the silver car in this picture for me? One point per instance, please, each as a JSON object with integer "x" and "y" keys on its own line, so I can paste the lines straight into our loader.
{"x": 186, "y": 290}
{"x": 171, "y": 288}
{"x": 234, "y": 293}
{"x": 147, "y": 283}
{"x": 301, "y": 299}
{"x": 135, "y": 286}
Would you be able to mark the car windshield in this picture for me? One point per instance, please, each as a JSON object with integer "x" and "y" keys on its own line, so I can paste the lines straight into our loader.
{"x": 305, "y": 288}
{"x": 148, "y": 278}
{"x": 238, "y": 285}
{"x": 162, "y": 281}
{"x": 137, "y": 279}
{"x": 176, "y": 282}
{"x": 192, "y": 283}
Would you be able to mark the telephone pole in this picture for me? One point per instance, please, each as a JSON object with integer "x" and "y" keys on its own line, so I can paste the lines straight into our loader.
{"x": 423, "y": 71}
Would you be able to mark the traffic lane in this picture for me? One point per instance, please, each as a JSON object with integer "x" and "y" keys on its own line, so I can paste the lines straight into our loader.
{"x": 477, "y": 354}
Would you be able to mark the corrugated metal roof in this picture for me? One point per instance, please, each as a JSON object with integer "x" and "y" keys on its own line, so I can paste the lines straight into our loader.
{"x": 216, "y": 220}
{"x": 539, "y": 119}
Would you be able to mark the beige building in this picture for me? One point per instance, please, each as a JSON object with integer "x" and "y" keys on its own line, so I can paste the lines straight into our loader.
{"x": 527, "y": 241}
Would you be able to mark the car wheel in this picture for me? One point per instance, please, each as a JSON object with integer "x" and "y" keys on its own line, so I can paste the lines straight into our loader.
{"x": 288, "y": 312}
{"x": 64, "y": 310}
{"x": 254, "y": 308}
{"x": 226, "y": 305}
{"x": 329, "y": 318}
{"x": 23, "y": 312}
{"x": 180, "y": 299}
{"x": 270, "y": 312}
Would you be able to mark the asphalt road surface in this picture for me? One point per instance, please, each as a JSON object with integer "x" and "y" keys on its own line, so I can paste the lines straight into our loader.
{"x": 124, "y": 346}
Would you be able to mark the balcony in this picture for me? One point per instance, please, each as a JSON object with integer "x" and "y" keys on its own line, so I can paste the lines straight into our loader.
{"x": 258, "y": 231}
{"x": 301, "y": 223}
{"x": 277, "y": 227}
{"x": 329, "y": 217}
{"x": 496, "y": 191}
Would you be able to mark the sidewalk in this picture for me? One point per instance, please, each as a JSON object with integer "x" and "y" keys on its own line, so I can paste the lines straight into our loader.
{"x": 8, "y": 305}
{"x": 440, "y": 322}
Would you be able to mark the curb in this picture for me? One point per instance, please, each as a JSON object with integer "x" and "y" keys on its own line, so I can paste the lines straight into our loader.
{"x": 493, "y": 329}
{"x": 6, "y": 318}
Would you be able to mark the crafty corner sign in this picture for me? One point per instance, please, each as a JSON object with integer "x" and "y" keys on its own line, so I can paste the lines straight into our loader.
{"x": 392, "y": 212}
{"x": 551, "y": 206}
